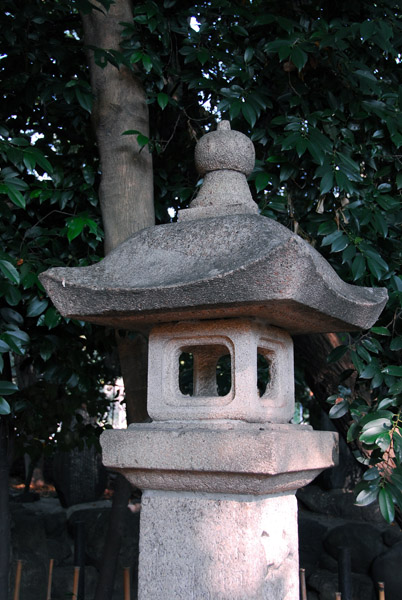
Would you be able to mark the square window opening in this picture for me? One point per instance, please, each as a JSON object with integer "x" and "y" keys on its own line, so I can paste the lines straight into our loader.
{"x": 205, "y": 370}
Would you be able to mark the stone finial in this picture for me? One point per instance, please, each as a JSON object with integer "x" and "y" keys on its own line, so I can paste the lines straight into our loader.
{"x": 225, "y": 149}
{"x": 224, "y": 158}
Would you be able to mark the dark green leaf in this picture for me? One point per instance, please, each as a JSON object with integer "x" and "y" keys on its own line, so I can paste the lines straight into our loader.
{"x": 298, "y": 57}
{"x": 15, "y": 196}
{"x": 52, "y": 317}
{"x": 13, "y": 295}
{"x": 331, "y": 238}
{"x": 163, "y": 100}
{"x": 353, "y": 432}
{"x": 36, "y": 307}
{"x": 203, "y": 55}
{"x": 36, "y": 155}
{"x": 337, "y": 353}
{"x": 369, "y": 371}
{"x": 249, "y": 113}
{"x": 340, "y": 243}
{"x": 375, "y": 268}
{"x": 386, "y": 504}
{"x": 74, "y": 227}
{"x": 9, "y": 271}
{"x": 261, "y": 181}
{"x": 397, "y": 440}
{"x": 393, "y": 370}
{"x": 386, "y": 402}
{"x": 235, "y": 108}
{"x": 147, "y": 62}
{"x": 383, "y": 441}
{"x": 371, "y": 474}
{"x": 339, "y": 409}
{"x": 4, "y": 407}
{"x": 142, "y": 140}
{"x": 396, "y": 343}
{"x": 380, "y": 330}
{"x": 396, "y": 493}
{"x": 89, "y": 175}
{"x": 130, "y": 132}
{"x": 7, "y": 388}
{"x": 19, "y": 141}
{"x": 84, "y": 98}
{"x": 248, "y": 54}
{"x": 327, "y": 182}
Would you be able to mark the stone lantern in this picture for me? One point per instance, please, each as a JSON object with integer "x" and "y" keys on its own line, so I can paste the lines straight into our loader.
{"x": 219, "y": 468}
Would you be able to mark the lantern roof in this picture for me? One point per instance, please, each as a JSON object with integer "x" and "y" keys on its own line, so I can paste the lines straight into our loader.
{"x": 221, "y": 259}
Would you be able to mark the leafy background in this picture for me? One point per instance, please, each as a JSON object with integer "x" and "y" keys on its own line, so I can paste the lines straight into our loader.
{"x": 316, "y": 87}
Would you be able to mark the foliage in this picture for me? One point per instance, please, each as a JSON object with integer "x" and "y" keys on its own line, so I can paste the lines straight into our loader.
{"x": 318, "y": 90}
{"x": 316, "y": 86}
{"x": 49, "y": 216}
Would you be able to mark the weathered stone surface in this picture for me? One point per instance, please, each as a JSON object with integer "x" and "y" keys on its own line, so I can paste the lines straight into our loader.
{"x": 338, "y": 503}
{"x": 63, "y": 578}
{"x": 387, "y": 568}
{"x": 311, "y": 535}
{"x": 207, "y": 547}
{"x": 365, "y": 540}
{"x": 29, "y": 544}
{"x": 326, "y": 584}
{"x": 55, "y": 521}
{"x": 224, "y": 149}
{"x": 60, "y": 548}
{"x": 219, "y": 515}
{"x": 224, "y": 158}
{"x": 392, "y": 535}
{"x": 231, "y": 457}
{"x": 243, "y": 340}
{"x": 230, "y": 266}
{"x": 79, "y": 475}
{"x": 96, "y": 526}
{"x": 328, "y": 562}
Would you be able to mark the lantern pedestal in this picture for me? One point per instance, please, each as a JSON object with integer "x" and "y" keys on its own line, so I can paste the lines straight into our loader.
{"x": 211, "y": 546}
{"x": 219, "y": 514}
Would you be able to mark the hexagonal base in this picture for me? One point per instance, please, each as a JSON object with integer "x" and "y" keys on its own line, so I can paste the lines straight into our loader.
{"x": 228, "y": 457}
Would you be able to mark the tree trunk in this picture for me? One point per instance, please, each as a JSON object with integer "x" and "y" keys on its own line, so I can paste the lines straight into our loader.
{"x": 133, "y": 351}
{"x": 323, "y": 379}
{"x": 126, "y": 197}
{"x": 116, "y": 529}
{"x": 126, "y": 190}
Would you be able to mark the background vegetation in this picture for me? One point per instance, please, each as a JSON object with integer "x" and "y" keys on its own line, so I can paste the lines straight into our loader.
{"x": 317, "y": 86}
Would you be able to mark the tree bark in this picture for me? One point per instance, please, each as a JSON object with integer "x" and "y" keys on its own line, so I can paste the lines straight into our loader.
{"x": 133, "y": 352}
{"x": 116, "y": 529}
{"x": 322, "y": 378}
{"x": 126, "y": 198}
{"x": 126, "y": 190}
